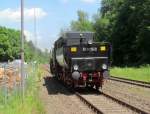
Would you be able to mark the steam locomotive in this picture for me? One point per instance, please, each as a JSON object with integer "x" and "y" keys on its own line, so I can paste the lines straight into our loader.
{"x": 79, "y": 61}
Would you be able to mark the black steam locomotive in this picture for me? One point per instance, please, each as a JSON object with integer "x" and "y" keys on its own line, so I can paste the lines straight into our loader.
{"x": 79, "y": 61}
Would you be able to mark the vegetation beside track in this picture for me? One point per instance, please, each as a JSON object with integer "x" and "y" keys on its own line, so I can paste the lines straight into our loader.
{"x": 31, "y": 103}
{"x": 141, "y": 74}
{"x": 10, "y": 47}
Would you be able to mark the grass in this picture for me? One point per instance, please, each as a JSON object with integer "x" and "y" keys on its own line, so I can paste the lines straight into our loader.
{"x": 142, "y": 73}
{"x": 31, "y": 103}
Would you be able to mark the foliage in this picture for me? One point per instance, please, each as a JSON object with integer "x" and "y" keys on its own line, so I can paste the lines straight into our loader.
{"x": 105, "y": 20}
{"x": 83, "y": 23}
{"x": 130, "y": 36}
{"x": 125, "y": 23}
{"x": 9, "y": 44}
{"x": 10, "y": 47}
{"x": 142, "y": 73}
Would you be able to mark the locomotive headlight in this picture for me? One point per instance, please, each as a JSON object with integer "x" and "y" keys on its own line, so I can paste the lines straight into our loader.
{"x": 75, "y": 67}
{"x": 104, "y": 66}
{"x": 73, "y": 49}
{"x": 102, "y": 48}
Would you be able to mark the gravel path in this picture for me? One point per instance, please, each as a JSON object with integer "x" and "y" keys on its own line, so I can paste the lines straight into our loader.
{"x": 57, "y": 100}
{"x": 134, "y": 95}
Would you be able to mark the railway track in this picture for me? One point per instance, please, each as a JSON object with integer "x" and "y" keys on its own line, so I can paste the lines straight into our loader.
{"x": 103, "y": 103}
{"x": 132, "y": 82}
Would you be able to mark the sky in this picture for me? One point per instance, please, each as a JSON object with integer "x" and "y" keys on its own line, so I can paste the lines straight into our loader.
{"x": 51, "y": 17}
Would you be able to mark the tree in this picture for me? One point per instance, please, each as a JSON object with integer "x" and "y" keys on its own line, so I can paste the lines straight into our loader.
{"x": 10, "y": 47}
{"x": 9, "y": 43}
{"x": 83, "y": 23}
{"x": 105, "y": 20}
{"x": 130, "y": 36}
{"x": 125, "y": 23}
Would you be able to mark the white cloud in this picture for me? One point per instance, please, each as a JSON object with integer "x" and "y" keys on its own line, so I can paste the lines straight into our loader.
{"x": 14, "y": 15}
{"x": 39, "y": 12}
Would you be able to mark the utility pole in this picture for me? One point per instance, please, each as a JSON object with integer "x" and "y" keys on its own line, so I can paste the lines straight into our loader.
{"x": 22, "y": 48}
{"x": 35, "y": 32}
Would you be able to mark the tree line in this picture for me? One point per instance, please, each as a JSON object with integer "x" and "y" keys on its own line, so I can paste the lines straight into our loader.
{"x": 10, "y": 47}
{"x": 123, "y": 23}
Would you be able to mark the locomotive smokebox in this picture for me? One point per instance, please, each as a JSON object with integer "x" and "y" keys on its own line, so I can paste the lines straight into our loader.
{"x": 76, "y": 75}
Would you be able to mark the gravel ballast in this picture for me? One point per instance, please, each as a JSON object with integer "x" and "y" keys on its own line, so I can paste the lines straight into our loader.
{"x": 57, "y": 100}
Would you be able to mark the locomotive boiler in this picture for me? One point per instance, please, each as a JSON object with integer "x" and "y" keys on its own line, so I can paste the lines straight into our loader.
{"x": 79, "y": 61}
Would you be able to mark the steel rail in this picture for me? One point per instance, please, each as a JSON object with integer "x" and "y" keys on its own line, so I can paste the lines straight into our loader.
{"x": 132, "y": 82}
{"x": 143, "y": 82}
{"x": 90, "y": 105}
{"x": 135, "y": 109}
{"x": 96, "y": 110}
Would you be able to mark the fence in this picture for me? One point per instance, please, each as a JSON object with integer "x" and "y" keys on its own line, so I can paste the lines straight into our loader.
{"x": 10, "y": 80}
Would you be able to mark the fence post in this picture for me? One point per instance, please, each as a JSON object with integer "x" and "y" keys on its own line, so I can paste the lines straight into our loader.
{"x": 5, "y": 85}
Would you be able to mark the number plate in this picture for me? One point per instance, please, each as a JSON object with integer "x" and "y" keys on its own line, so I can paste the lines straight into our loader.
{"x": 90, "y": 49}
